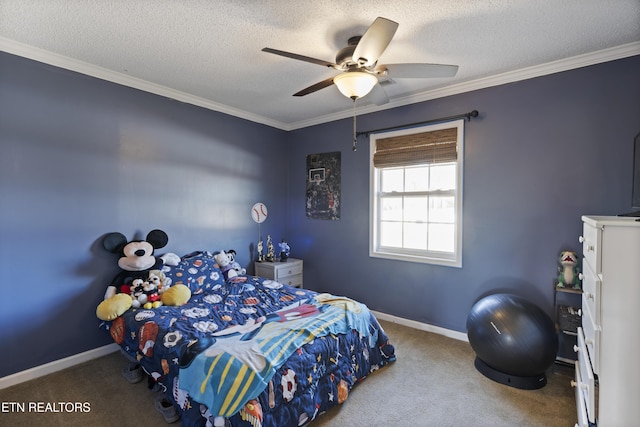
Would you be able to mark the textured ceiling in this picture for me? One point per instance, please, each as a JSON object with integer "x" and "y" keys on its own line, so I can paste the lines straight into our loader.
{"x": 208, "y": 52}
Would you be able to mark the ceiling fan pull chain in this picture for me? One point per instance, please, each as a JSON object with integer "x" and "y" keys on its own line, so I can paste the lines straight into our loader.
{"x": 355, "y": 135}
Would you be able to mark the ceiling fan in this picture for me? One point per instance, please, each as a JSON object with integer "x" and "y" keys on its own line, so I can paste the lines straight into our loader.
{"x": 358, "y": 65}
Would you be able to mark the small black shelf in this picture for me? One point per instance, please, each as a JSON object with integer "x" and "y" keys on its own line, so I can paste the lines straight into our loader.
{"x": 567, "y": 303}
{"x": 568, "y": 290}
{"x": 568, "y": 319}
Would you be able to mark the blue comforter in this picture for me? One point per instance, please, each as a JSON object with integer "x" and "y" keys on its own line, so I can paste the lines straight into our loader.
{"x": 252, "y": 350}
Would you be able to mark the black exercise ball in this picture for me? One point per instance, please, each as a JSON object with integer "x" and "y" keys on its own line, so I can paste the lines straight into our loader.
{"x": 513, "y": 338}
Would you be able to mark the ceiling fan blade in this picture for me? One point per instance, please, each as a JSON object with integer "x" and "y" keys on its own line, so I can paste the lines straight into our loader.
{"x": 300, "y": 57}
{"x": 378, "y": 95}
{"x": 316, "y": 87}
{"x": 418, "y": 71}
{"x": 374, "y": 41}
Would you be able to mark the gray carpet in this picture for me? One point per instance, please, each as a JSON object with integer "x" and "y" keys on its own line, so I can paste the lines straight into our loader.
{"x": 432, "y": 383}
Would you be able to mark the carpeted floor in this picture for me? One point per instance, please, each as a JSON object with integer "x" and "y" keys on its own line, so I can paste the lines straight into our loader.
{"x": 432, "y": 383}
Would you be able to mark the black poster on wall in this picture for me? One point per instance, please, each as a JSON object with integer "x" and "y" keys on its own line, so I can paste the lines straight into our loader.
{"x": 323, "y": 186}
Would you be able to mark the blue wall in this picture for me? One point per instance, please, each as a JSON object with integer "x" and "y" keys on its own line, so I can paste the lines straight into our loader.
{"x": 542, "y": 153}
{"x": 81, "y": 157}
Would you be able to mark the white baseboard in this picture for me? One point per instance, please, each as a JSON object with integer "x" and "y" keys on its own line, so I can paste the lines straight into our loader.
{"x": 56, "y": 365}
{"x": 67, "y": 362}
{"x": 461, "y": 336}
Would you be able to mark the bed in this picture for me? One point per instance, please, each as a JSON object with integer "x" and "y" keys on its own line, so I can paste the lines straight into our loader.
{"x": 250, "y": 351}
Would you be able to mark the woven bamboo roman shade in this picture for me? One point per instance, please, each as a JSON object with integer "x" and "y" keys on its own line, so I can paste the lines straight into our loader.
{"x": 439, "y": 146}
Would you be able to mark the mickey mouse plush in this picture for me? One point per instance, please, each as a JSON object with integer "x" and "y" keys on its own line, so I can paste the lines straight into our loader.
{"x": 137, "y": 258}
{"x": 136, "y": 262}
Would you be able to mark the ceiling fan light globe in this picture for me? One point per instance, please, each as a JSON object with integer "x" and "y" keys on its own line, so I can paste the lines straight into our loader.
{"x": 355, "y": 84}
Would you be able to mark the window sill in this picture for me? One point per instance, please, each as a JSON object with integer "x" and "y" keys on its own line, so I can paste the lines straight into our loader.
{"x": 457, "y": 263}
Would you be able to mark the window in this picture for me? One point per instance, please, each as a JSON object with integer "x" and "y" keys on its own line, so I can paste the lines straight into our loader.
{"x": 416, "y": 194}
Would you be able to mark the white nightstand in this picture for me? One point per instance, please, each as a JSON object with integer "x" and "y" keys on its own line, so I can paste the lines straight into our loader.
{"x": 288, "y": 272}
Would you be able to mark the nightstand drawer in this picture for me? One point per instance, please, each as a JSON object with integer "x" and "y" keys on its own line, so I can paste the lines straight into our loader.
{"x": 285, "y": 270}
{"x": 288, "y": 272}
{"x": 295, "y": 280}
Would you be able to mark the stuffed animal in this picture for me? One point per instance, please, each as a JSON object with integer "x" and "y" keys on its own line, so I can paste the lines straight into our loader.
{"x": 152, "y": 294}
{"x": 224, "y": 263}
{"x": 136, "y": 292}
{"x": 234, "y": 264}
{"x": 160, "y": 280}
{"x": 146, "y": 293}
{"x": 136, "y": 261}
{"x": 568, "y": 277}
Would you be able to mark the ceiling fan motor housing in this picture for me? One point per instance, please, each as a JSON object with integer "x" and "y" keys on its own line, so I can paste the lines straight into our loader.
{"x": 344, "y": 55}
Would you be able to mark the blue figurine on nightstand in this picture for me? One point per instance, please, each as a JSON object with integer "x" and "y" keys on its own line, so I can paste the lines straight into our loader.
{"x": 284, "y": 250}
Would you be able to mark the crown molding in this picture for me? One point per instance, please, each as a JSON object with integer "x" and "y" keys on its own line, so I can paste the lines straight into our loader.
{"x": 47, "y": 57}
{"x": 61, "y": 61}
{"x": 566, "y": 64}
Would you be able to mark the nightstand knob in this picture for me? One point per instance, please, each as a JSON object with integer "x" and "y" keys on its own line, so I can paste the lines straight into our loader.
{"x": 574, "y": 383}
{"x": 581, "y": 276}
{"x": 581, "y": 239}
{"x": 576, "y": 349}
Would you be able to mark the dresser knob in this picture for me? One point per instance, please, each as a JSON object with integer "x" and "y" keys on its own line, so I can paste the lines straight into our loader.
{"x": 574, "y": 383}
{"x": 576, "y": 349}
{"x": 581, "y": 276}
{"x": 581, "y": 239}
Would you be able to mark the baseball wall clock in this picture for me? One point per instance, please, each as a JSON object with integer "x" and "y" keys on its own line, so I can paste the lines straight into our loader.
{"x": 259, "y": 213}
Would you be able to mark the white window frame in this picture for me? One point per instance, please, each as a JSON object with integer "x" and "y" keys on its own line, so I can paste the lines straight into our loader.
{"x": 430, "y": 257}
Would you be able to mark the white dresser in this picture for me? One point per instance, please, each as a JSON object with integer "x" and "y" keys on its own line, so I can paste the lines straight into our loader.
{"x": 608, "y": 367}
{"x": 288, "y": 272}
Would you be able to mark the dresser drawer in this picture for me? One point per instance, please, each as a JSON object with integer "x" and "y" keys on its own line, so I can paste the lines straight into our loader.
{"x": 591, "y": 287}
{"x": 591, "y": 338}
{"x": 586, "y": 379}
{"x": 591, "y": 246}
{"x": 581, "y": 407}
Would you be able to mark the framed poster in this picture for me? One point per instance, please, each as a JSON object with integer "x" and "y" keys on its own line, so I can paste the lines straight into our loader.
{"x": 323, "y": 186}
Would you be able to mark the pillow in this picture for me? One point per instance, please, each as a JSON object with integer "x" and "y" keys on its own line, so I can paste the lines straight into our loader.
{"x": 197, "y": 270}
